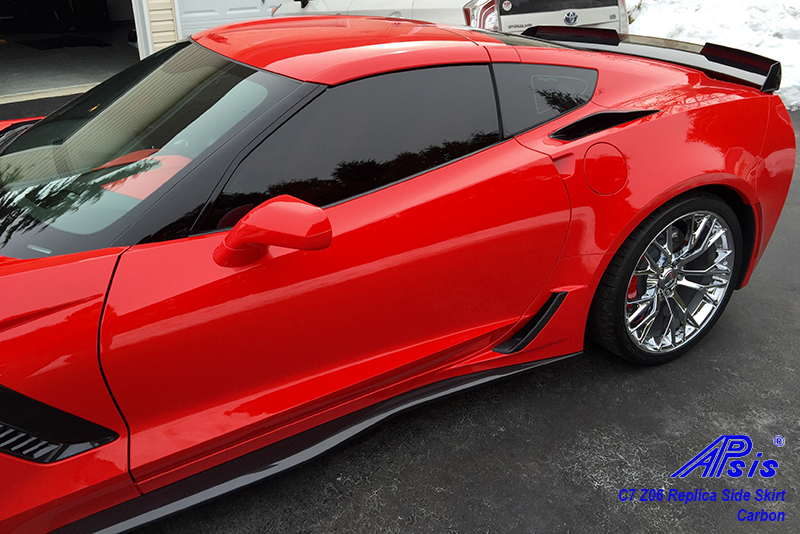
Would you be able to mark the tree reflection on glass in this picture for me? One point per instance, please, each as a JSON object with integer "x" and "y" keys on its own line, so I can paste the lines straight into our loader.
{"x": 351, "y": 178}
{"x": 29, "y": 206}
{"x": 562, "y": 101}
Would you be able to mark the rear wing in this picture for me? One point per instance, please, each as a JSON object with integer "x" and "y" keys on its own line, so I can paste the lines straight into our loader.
{"x": 718, "y": 62}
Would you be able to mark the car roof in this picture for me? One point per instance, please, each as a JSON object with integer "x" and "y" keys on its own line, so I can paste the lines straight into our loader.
{"x": 332, "y": 50}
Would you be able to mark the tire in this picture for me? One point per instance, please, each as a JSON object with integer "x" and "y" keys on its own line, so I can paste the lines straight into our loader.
{"x": 659, "y": 298}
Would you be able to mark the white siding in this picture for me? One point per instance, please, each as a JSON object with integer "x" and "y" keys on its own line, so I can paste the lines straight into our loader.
{"x": 163, "y": 30}
{"x": 197, "y": 15}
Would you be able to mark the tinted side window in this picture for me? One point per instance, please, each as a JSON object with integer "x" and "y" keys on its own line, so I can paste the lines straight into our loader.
{"x": 531, "y": 95}
{"x": 364, "y": 135}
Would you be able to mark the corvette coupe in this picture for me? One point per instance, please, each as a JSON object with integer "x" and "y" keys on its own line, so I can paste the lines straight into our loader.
{"x": 262, "y": 240}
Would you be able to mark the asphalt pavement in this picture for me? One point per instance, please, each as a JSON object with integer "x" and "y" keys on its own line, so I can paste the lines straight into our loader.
{"x": 551, "y": 450}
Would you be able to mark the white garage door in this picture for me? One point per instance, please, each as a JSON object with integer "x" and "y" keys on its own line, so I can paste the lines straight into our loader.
{"x": 195, "y": 15}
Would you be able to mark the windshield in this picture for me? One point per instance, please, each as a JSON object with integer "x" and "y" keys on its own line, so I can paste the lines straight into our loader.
{"x": 76, "y": 179}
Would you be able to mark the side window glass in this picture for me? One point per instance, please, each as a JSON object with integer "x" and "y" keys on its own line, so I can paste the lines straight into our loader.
{"x": 531, "y": 95}
{"x": 364, "y": 135}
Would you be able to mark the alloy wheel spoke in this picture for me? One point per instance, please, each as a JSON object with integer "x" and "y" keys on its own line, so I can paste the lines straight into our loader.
{"x": 635, "y": 315}
{"x": 682, "y": 310}
{"x": 666, "y": 329}
{"x": 719, "y": 267}
{"x": 663, "y": 249}
{"x": 648, "y": 326}
{"x": 702, "y": 287}
{"x": 662, "y": 319}
{"x": 643, "y": 299}
{"x": 709, "y": 241}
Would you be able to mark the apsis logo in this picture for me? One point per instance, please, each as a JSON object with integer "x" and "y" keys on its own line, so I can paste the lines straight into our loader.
{"x": 727, "y": 454}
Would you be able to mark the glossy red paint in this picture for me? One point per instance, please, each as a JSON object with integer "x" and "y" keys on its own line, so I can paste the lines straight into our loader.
{"x": 48, "y": 327}
{"x": 773, "y": 173}
{"x": 605, "y": 168}
{"x": 694, "y": 130}
{"x": 209, "y": 359}
{"x": 283, "y": 221}
{"x": 344, "y": 48}
{"x": 271, "y": 344}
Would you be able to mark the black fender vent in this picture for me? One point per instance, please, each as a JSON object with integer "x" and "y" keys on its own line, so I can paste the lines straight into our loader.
{"x": 38, "y": 432}
{"x": 599, "y": 122}
{"x": 525, "y": 335}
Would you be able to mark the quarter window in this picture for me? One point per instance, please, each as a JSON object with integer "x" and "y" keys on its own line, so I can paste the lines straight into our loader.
{"x": 531, "y": 95}
{"x": 364, "y": 135}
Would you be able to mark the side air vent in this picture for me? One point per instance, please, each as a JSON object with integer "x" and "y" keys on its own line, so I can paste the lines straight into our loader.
{"x": 22, "y": 445}
{"x": 38, "y": 432}
{"x": 525, "y": 335}
{"x": 599, "y": 122}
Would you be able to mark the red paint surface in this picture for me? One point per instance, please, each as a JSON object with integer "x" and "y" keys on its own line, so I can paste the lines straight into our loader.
{"x": 49, "y": 319}
{"x": 226, "y": 354}
{"x": 343, "y": 48}
{"x": 605, "y": 169}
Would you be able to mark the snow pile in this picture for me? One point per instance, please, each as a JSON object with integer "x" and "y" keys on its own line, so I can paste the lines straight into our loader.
{"x": 769, "y": 28}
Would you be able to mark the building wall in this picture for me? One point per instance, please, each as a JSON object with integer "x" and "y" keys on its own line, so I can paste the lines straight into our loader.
{"x": 164, "y": 31}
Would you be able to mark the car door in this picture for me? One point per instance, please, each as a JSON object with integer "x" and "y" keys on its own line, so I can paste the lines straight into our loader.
{"x": 443, "y": 234}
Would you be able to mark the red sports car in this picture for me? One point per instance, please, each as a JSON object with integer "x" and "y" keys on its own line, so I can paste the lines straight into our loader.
{"x": 255, "y": 243}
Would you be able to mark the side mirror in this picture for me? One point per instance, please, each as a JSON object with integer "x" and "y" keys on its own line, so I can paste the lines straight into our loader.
{"x": 283, "y": 221}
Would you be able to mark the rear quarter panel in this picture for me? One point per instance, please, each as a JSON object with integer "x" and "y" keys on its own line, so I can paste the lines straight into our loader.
{"x": 706, "y": 133}
{"x": 775, "y": 175}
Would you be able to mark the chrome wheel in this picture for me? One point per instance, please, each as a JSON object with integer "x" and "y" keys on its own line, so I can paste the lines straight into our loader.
{"x": 680, "y": 282}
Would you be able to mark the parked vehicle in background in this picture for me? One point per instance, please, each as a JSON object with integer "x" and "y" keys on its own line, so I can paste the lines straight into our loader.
{"x": 513, "y": 16}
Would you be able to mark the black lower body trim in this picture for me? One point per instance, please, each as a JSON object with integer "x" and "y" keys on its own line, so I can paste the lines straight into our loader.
{"x": 275, "y": 458}
{"x": 525, "y": 335}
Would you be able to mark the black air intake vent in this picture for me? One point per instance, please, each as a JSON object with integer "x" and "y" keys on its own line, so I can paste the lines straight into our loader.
{"x": 531, "y": 329}
{"x": 38, "y": 432}
{"x": 18, "y": 443}
{"x": 598, "y": 122}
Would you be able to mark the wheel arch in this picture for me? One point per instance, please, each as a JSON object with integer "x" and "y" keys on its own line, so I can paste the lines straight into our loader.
{"x": 747, "y": 222}
{"x": 723, "y": 187}
{"x": 600, "y": 325}
{"x": 734, "y": 197}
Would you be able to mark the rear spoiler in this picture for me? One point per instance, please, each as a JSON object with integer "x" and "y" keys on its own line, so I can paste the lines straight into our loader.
{"x": 718, "y": 62}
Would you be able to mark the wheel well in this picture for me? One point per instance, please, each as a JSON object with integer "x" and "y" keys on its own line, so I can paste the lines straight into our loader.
{"x": 747, "y": 222}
